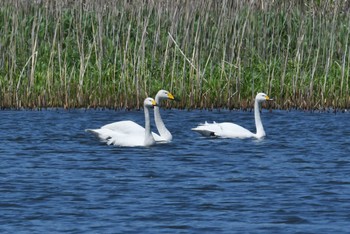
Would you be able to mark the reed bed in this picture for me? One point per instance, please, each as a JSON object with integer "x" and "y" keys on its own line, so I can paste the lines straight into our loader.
{"x": 210, "y": 54}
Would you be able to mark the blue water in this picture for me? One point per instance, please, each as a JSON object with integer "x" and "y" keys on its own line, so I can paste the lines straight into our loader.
{"x": 56, "y": 178}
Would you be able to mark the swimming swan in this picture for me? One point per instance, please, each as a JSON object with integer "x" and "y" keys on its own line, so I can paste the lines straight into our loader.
{"x": 231, "y": 130}
{"x": 130, "y": 127}
{"x": 130, "y": 138}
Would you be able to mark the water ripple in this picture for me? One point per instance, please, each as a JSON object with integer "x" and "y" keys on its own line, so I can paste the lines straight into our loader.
{"x": 57, "y": 178}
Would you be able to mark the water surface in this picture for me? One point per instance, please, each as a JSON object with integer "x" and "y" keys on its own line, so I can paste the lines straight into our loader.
{"x": 57, "y": 178}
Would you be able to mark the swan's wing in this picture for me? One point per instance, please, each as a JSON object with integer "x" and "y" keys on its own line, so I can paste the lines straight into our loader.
{"x": 231, "y": 130}
{"x": 131, "y": 139}
{"x": 225, "y": 130}
{"x": 117, "y": 138}
{"x": 105, "y": 133}
{"x": 126, "y": 126}
{"x": 129, "y": 127}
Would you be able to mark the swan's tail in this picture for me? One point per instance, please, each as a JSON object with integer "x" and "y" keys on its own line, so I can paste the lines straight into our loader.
{"x": 100, "y": 133}
{"x": 204, "y": 130}
{"x": 93, "y": 131}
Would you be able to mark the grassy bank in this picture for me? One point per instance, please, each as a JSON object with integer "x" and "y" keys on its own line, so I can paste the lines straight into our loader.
{"x": 208, "y": 53}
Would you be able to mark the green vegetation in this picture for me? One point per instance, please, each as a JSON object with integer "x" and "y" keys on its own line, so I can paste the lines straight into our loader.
{"x": 114, "y": 53}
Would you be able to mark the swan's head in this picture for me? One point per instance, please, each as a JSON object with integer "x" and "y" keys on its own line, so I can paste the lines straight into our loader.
{"x": 149, "y": 102}
{"x": 261, "y": 97}
{"x": 163, "y": 95}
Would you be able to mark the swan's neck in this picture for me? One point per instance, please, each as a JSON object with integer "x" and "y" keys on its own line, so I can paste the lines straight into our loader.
{"x": 149, "y": 140}
{"x": 260, "y": 132}
{"x": 163, "y": 131}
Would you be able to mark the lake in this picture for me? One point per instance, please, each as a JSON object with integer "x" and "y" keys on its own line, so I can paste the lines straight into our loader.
{"x": 57, "y": 178}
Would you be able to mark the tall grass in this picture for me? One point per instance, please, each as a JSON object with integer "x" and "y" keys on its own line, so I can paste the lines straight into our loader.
{"x": 208, "y": 53}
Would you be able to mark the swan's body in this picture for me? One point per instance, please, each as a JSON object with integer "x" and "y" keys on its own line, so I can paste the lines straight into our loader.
{"x": 231, "y": 130}
{"x": 130, "y": 127}
{"x": 131, "y": 137}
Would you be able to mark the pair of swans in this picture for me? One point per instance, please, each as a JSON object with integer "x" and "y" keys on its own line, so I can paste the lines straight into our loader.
{"x": 128, "y": 133}
{"x": 131, "y": 134}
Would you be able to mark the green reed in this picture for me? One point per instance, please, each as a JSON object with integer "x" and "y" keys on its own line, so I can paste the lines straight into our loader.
{"x": 208, "y": 53}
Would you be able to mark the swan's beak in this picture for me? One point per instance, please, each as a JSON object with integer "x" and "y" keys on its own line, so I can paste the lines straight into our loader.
{"x": 154, "y": 103}
{"x": 268, "y": 98}
{"x": 170, "y": 96}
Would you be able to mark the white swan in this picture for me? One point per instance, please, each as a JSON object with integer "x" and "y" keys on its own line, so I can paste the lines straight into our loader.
{"x": 231, "y": 130}
{"x": 131, "y": 139}
{"x": 130, "y": 127}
